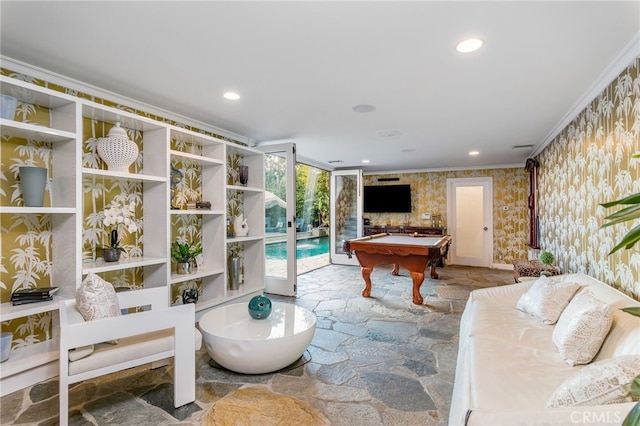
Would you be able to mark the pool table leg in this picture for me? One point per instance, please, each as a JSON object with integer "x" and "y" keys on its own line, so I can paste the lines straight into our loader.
{"x": 418, "y": 278}
{"x": 434, "y": 274}
{"x": 396, "y": 269}
{"x": 366, "y": 274}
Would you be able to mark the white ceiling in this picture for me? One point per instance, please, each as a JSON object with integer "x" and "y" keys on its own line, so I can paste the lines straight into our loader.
{"x": 300, "y": 67}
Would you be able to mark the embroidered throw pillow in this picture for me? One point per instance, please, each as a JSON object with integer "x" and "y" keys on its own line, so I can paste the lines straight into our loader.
{"x": 96, "y": 299}
{"x": 582, "y": 328}
{"x": 603, "y": 382}
{"x": 547, "y": 298}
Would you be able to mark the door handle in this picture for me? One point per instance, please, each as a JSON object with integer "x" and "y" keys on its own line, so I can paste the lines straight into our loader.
{"x": 485, "y": 228}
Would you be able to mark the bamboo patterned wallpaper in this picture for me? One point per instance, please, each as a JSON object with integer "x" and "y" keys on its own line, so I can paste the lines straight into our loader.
{"x": 589, "y": 163}
{"x": 429, "y": 195}
{"x": 25, "y": 240}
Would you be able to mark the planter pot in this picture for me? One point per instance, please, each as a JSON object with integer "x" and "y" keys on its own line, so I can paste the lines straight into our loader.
{"x": 183, "y": 268}
{"x": 5, "y": 346}
{"x": 234, "y": 273}
{"x": 8, "y": 110}
{"x": 111, "y": 255}
{"x": 33, "y": 181}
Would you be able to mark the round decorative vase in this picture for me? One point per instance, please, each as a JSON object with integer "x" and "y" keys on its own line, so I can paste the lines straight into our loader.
{"x": 33, "y": 181}
{"x": 243, "y": 173}
{"x": 183, "y": 267}
{"x": 111, "y": 255}
{"x": 259, "y": 307}
{"x": 117, "y": 150}
{"x": 189, "y": 295}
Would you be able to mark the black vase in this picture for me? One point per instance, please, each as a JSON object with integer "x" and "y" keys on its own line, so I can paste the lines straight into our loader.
{"x": 243, "y": 172}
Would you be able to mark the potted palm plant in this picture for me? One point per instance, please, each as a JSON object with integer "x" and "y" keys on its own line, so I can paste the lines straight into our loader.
{"x": 630, "y": 211}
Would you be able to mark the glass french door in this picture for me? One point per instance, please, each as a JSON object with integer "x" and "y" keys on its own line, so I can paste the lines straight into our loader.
{"x": 280, "y": 219}
{"x": 346, "y": 213}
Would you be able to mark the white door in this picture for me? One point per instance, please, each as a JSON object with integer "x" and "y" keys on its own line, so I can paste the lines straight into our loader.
{"x": 346, "y": 213}
{"x": 280, "y": 218}
{"x": 470, "y": 221}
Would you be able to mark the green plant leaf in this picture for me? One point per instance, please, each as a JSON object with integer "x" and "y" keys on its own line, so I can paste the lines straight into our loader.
{"x": 635, "y": 387}
{"x": 634, "y": 310}
{"x": 629, "y": 240}
{"x": 633, "y": 418}
{"x": 631, "y": 199}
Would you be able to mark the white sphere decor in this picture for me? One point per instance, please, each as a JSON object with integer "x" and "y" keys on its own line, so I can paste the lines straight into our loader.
{"x": 117, "y": 150}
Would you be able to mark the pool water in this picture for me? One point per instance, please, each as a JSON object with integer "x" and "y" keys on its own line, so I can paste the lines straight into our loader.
{"x": 304, "y": 248}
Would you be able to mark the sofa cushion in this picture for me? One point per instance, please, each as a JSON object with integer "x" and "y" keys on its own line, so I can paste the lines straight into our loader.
{"x": 547, "y": 298}
{"x": 603, "y": 382}
{"x": 582, "y": 328}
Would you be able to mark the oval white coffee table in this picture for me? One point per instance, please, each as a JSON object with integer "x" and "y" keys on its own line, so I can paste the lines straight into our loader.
{"x": 245, "y": 345}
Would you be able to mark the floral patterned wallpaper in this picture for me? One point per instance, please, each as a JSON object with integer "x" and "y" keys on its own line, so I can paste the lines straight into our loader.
{"x": 429, "y": 195}
{"x": 589, "y": 163}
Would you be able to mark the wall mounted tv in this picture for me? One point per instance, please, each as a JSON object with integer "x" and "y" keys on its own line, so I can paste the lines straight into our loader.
{"x": 387, "y": 199}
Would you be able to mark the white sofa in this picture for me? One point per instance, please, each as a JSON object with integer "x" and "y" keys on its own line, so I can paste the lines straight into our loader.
{"x": 508, "y": 365}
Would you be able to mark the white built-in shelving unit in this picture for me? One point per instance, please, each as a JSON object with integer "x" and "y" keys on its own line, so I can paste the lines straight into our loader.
{"x": 64, "y": 132}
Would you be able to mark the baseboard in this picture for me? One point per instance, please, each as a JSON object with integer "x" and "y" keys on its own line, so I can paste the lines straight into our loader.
{"x": 505, "y": 266}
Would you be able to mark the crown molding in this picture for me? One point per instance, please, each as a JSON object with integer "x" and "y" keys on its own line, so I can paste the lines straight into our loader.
{"x": 628, "y": 54}
{"x": 55, "y": 78}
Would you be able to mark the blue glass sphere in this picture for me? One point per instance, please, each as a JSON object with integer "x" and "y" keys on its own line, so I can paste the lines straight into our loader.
{"x": 259, "y": 307}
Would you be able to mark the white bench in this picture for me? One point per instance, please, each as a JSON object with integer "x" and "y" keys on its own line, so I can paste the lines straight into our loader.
{"x": 143, "y": 337}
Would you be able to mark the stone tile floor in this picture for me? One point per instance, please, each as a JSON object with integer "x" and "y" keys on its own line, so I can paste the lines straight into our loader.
{"x": 373, "y": 361}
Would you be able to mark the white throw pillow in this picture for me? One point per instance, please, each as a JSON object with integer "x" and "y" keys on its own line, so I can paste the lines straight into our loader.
{"x": 79, "y": 353}
{"x": 547, "y": 298}
{"x": 582, "y": 328}
{"x": 603, "y": 382}
{"x": 96, "y": 299}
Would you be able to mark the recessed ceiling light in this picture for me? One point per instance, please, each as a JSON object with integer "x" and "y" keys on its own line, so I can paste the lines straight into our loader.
{"x": 474, "y": 152}
{"x": 469, "y": 45}
{"x": 232, "y": 96}
{"x": 365, "y": 161}
{"x": 364, "y": 108}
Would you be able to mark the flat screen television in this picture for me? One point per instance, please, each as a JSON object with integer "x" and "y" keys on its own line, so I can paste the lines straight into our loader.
{"x": 387, "y": 199}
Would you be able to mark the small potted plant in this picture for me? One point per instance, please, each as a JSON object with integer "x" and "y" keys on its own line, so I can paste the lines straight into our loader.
{"x": 546, "y": 258}
{"x": 184, "y": 254}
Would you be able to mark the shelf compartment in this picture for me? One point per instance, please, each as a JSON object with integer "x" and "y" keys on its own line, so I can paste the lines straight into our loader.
{"x": 19, "y": 129}
{"x": 244, "y": 188}
{"x": 203, "y": 211}
{"x": 10, "y": 312}
{"x": 28, "y": 357}
{"x": 121, "y": 175}
{"x": 202, "y": 273}
{"x": 198, "y": 159}
{"x": 62, "y": 107}
{"x": 123, "y": 263}
{"x": 37, "y": 210}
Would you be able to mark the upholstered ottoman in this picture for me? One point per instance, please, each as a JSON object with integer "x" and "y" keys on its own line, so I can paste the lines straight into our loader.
{"x": 531, "y": 268}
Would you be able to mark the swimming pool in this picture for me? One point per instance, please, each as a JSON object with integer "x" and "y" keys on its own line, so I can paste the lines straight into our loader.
{"x": 304, "y": 248}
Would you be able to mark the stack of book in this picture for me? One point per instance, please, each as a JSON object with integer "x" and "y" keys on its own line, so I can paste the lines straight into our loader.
{"x": 32, "y": 295}
{"x": 195, "y": 205}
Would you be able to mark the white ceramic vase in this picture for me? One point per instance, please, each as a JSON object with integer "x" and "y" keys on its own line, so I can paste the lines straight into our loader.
{"x": 117, "y": 150}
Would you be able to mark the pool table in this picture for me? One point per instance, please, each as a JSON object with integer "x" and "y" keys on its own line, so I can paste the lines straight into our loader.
{"x": 410, "y": 251}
